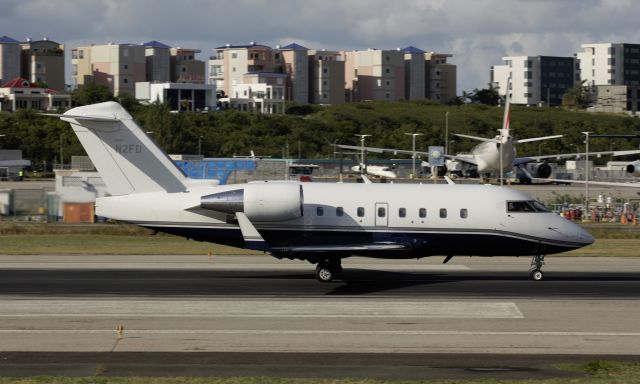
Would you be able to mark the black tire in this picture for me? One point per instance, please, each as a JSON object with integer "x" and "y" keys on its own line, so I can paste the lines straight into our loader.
{"x": 537, "y": 275}
{"x": 324, "y": 274}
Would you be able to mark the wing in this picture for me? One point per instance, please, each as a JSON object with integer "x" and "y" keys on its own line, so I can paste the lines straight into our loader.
{"x": 532, "y": 159}
{"x": 464, "y": 159}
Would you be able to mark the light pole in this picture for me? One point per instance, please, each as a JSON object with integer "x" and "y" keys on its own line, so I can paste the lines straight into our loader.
{"x": 61, "y": 152}
{"x": 446, "y": 132}
{"x": 362, "y": 138}
{"x": 413, "y": 156}
{"x": 586, "y": 172}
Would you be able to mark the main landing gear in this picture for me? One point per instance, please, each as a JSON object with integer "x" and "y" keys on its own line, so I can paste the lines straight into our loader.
{"x": 536, "y": 265}
{"x": 327, "y": 270}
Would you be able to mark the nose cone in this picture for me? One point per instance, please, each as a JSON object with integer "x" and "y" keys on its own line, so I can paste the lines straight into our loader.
{"x": 584, "y": 237}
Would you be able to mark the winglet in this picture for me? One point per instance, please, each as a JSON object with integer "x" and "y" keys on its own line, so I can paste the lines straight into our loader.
{"x": 252, "y": 238}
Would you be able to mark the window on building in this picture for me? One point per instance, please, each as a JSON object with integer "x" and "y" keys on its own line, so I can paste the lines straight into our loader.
{"x": 387, "y": 58}
{"x": 125, "y": 52}
{"x": 443, "y": 213}
{"x": 233, "y": 69}
{"x": 437, "y": 85}
{"x": 184, "y": 69}
{"x": 234, "y": 55}
{"x": 387, "y": 83}
{"x": 611, "y": 50}
{"x": 529, "y": 63}
{"x": 325, "y": 70}
{"x": 339, "y": 211}
{"x": 324, "y": 83}
{"x": 387, "y": 95}
{"x": 319, "y": 211}
{"x": 360, "y": 212}
{"x": 402, "y": 212}
{"x": 81, "y": 54}
{"x": 422, "y": 212}
{"x": 611, "y": 61}
{"x": 125, "y": 66}
{"x": 387, "y": 70}
{"x": 464, "y": 213}
{"x": 125, "y": 80}
{"x": 382, "y": 212}
{"x": 324, "y": 96}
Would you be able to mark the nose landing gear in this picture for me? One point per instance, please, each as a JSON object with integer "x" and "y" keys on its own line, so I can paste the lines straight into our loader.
{"x": 536, "y": 265}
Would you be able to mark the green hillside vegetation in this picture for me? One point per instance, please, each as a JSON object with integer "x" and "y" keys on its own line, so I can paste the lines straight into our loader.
{"x": 225, "y": 133}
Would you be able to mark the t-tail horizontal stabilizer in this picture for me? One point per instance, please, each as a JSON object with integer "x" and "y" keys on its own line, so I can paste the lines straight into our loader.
{"x": 252, "y": 238}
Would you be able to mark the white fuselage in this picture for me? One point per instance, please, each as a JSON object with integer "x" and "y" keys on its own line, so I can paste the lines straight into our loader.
{"x": 413, "y": 212}
{"x": 487, "y": 156}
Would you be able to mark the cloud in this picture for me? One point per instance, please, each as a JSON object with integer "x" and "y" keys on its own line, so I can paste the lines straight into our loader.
{"x": 478, "y": 33}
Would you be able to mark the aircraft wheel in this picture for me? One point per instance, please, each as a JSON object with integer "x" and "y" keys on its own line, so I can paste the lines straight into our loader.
{"x": 537, "y": 275}
{"x": 324, "y": 274}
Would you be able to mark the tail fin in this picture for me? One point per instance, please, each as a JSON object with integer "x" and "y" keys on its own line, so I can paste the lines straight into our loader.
{"x": 507, "y": 111}
{"x": 126, "y": 158}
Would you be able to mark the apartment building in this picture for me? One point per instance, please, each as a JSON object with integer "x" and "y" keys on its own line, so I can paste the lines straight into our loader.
{"x": 535, "y": 80}
{"x": 158, "y": 62}
{"x": 374, "y": 74}
{"x": 230, "y": 63}
{"x": 116, "y": 66}
{"x": 326, "y": 77}
{"x": 9, "y": 59}
{"x": 295, "y": 61}
{"x": 610, "y": 64}
{"x": 441, "y": 77}
{"x": 42, "y": 62}
{"x": 428, "y": 75}
{"x": 185, "y": 68}
{"x": 180, "y": 97}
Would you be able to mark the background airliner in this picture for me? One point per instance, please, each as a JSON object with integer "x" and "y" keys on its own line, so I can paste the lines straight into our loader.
{"x": 319, "y": 222}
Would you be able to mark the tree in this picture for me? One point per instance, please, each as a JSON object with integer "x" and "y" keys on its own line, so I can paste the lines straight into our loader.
{"x": 91, "y": 93}
{"x": 577, "y": 96}
{"x": 488, "y": 96}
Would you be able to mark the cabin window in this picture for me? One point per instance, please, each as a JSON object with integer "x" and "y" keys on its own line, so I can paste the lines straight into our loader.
{"x": 422, "y": 212}
{"x": 339, "y": 211}
{"x": 526, "y": 206}
{"x": 382, "y": 212}
{"x": 320, "y": 211}
{"x": 443, "y": 213}
{"x": 360, "y": 211}
{"x": 402, "y": 212}
{"x": 464, "y": 213}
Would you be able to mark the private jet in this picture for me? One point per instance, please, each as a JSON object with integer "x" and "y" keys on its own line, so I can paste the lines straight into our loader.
{"x": 318, "y": 222}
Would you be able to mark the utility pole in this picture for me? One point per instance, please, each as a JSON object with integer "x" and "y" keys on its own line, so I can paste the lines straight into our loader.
{"x": 413, "y": 156}
{"x": 362, "y": 165}
{"x": 586, "y": 173}
{"x": 446, "y": 133}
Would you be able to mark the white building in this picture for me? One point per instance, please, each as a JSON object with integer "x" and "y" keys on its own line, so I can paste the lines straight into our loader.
{"x": 610, "y": 64}
{"x": 535, "y": 79}
{"x": 258, "y": 92}
{"x": 183, "y": 97}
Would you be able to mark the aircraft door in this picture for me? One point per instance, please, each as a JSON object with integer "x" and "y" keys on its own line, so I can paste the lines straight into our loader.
{"x": 382, "y": 214}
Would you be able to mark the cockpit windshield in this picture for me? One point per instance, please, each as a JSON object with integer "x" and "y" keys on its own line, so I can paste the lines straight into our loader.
{"x": 526, "y": 206}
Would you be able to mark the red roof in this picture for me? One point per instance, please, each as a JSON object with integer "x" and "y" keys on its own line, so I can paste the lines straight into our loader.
{"x": 20, "y": 82}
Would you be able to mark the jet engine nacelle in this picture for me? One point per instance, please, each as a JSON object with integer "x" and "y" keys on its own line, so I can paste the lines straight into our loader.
{"x": 541, "y": 170}
{"x": 264, "y": 201}
{"x": 634, "y": 168}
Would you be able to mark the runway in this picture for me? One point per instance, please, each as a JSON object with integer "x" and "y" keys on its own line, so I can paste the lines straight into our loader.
{"x": 586, "y": 308}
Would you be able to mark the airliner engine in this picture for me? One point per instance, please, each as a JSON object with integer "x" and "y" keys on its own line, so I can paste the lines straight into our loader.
{"x": 264, "y": 201}
{"x": 634, "y": 168}
{"x": 541, "y": 170}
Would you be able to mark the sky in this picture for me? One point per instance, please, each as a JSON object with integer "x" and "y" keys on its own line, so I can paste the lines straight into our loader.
{"x": 478, "y": 33}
